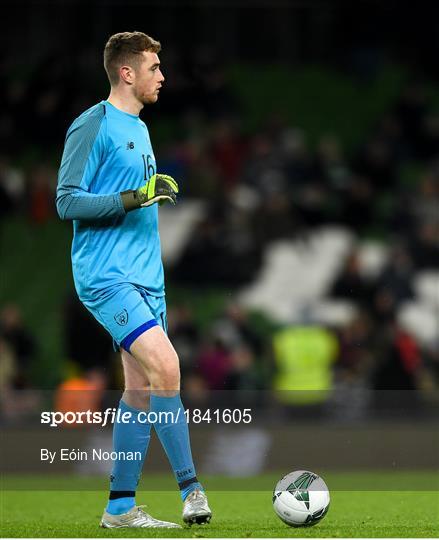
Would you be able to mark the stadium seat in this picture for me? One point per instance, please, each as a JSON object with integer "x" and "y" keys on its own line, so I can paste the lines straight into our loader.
{"x": 295, "y": 276}
{"x": 426, "y": 285}
{"x": 420, "y": 319}
{"x": 372, "y": 258}
{"x": 176, "y": 226}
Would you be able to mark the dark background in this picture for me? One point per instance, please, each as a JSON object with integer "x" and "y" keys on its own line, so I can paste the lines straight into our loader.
{"x": 52, "y": 47}
{"x": 319, "y": 113}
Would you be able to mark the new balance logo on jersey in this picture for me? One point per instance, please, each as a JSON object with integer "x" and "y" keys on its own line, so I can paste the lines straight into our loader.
{"x": 130, "y": 145}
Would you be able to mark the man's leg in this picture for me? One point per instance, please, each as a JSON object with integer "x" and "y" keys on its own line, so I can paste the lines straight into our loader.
{"x": 126, "y": 324}
{"x": 156, "y": 354}
{"x": 133, "y": 436}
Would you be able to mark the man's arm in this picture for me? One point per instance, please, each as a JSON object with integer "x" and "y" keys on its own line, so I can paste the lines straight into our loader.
{"x": 84, "y": 151}
{"x": 74, "y": 204}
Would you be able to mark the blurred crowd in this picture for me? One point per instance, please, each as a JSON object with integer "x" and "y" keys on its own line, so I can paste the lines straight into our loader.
{"x": 262, "y": 186}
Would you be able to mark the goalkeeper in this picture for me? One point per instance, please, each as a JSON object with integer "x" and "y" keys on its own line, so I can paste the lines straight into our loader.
{"x": 109, "y": 186}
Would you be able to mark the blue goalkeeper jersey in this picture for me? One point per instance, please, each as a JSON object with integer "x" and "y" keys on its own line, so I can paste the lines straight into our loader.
{"x": 108, "y": 151}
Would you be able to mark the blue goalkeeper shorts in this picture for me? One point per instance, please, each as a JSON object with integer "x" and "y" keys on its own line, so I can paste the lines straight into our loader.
{"x": 127, "y": 311}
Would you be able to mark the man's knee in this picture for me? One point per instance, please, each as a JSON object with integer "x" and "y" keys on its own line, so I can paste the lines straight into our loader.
{"x": 163, "y": 369}
{"x": 169, "y": 374}
{"x": 156, "y": 354}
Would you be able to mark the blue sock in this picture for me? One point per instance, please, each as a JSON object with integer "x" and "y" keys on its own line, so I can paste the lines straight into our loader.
{"x": 174, "y": 436}
{"x": 132, "y": 436}
{"x": 191, "y": 487}
{"x": 120, "y": 506}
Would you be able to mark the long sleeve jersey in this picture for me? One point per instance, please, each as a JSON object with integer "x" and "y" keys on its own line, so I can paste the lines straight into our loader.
{"x": 108, "y": 151}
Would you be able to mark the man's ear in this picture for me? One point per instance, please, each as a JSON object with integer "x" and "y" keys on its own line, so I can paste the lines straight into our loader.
{"x": 127, "y": 74}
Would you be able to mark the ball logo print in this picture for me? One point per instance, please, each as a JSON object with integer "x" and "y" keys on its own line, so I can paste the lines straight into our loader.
{"x": 299, "y": 488}
{"x": 122, "y": 317}
{"x": 301, "y": 498}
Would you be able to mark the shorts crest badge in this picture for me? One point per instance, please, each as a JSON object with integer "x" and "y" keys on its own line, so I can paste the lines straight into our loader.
{"x": 122, "y": 317}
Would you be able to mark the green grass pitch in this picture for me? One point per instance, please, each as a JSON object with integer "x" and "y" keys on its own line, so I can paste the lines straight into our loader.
{"x": 76, "y": 512}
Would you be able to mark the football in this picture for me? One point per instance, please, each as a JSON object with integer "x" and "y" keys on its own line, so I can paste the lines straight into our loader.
{"x": 301, "y": 499}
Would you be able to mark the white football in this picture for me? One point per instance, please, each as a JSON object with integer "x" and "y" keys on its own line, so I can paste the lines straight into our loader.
{"x": 301, "y": 499}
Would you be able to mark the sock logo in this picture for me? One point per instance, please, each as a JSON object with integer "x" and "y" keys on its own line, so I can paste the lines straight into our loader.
{"x": 185, "y": 472}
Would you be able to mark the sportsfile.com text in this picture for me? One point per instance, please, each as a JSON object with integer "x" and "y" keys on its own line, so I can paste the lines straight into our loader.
{"x": 113, "y": 415}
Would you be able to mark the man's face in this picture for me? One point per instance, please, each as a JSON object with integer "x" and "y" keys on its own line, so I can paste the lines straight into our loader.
{"x": 148, "y": 79}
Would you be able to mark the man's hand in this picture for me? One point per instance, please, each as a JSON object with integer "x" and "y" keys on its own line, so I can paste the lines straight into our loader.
{"x": 160, "y": 188}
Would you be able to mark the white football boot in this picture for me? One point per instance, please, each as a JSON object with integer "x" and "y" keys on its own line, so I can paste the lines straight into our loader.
{"x": 196, "y": 508}
{"x": 135, "y": 517}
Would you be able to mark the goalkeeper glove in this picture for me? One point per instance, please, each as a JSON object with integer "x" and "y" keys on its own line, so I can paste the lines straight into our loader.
{"x": 159, "y": 188}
